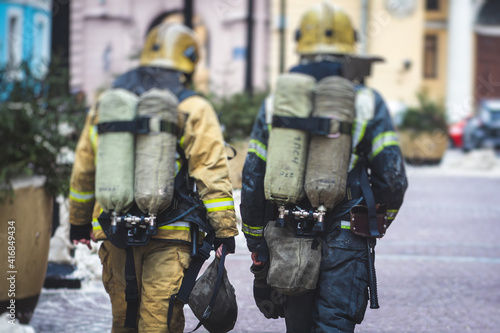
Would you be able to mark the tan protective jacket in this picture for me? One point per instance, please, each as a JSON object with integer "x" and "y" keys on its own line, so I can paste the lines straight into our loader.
{"x": 204, "y": 149}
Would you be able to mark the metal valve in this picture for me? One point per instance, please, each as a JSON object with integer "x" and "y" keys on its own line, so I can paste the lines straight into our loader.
{"x": 114, "y": 223}
{"x": 134, "y": 222}
{"x": 280, "y": 221}
{"x": 305, "y": 218}
{"x": 151, "y": 230}
{"x": 319, "y": 215}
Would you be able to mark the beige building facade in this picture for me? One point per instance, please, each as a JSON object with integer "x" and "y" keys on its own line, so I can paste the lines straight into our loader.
{"x": 395, "y": 35}
{"x": 429, "y": 46}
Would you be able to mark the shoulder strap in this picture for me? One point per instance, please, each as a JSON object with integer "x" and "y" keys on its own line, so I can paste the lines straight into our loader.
{"x": 369, "y": 198}
{"x": 189, "y": 279}
{"x": 269, "y": 108}
{"x": 131, "y": 290}
{"x": 218, "y": 282}
{"x": 365, "y": 104}
{"x": 185, "y": 94}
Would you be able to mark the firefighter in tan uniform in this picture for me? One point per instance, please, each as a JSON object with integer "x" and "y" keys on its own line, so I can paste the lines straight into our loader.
{"x": 167, "y": 62}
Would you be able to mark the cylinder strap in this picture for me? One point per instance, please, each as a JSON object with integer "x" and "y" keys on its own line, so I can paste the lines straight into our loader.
{"x": 141, "y": 125}
{"x": 314, "y": 125}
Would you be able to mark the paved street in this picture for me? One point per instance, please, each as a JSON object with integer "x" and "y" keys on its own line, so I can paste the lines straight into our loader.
{"x": 438, "y": 267}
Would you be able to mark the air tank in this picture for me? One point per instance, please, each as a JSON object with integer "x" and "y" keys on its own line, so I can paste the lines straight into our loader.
{"x": 287, "y": 148}
{"x": 155, "y": 152}
{"x": 114, "y": 188}
{"x": 328, "y": 158}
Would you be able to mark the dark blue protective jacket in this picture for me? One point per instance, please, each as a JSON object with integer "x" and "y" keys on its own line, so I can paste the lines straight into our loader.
{"x": 375, "y": 148}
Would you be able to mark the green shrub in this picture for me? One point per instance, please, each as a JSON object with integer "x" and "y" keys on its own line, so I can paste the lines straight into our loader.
{"x": 39, "y": 124}
{"x": 426, "y": 117}
{"x": 237, "y": 113}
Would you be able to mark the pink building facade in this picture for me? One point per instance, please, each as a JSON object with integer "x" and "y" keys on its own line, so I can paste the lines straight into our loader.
{"x": 106, "y": 38}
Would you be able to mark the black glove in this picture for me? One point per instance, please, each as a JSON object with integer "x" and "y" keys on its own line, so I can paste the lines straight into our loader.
{"x": 77, "y": 232}
{"x": 268, "y": 300}
{"x": 229, "y": 242}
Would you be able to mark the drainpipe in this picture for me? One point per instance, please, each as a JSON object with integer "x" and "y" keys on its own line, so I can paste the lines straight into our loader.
{"x": 282, "y": 36}
{"x": 249, "y": 55}
{"x": 188, "y": 13}
{"x": 364, "y": 22}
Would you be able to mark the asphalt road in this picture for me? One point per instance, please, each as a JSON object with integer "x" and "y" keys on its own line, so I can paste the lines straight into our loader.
{"x": 438, "y": 268}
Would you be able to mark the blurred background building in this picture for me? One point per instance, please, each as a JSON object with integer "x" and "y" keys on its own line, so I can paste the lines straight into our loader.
{"x": 25, "y": 34}
{"x": 107, "y": 37}
{"x": 451, "y": 49}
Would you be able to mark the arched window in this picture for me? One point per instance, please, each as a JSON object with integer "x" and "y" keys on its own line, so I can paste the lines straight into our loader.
{"x": 14, "y": 36}
{"x": 41, "y": 43}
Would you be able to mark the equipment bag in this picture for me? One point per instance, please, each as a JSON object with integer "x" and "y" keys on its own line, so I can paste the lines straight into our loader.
{"x": 213, "y": 299}
{"x": 294, "y": 263}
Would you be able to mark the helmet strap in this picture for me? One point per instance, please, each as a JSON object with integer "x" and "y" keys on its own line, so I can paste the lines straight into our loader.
{"x": 186, "y": 79}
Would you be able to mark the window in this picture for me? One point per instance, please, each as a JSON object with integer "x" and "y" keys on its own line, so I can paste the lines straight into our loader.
{"x": 106, "y": 58}
{"x": 432, "y": 5}
{"x": 41, "y": 44}
{"x": 430, "y": 56}
{"x": 13, "y": 22}
{"x": 14, "y": 36}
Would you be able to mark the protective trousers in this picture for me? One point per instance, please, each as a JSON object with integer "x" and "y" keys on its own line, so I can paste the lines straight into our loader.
{"x": 160, "y": 268}
{"x": 341, "y": 296}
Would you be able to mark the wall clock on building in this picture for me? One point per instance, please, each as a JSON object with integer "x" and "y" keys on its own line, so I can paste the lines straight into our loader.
{"x": 400, "y": 8}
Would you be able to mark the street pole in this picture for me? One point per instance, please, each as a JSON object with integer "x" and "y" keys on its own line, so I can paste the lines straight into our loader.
{"x": 282, "y": 36}
{"x": 188, "y": 13}
{"x": 364, "y": 22}
{"x": 249, "y": 53}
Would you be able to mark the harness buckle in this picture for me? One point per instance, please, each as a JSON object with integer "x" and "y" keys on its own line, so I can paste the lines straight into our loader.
{"x": 336, "y": 128}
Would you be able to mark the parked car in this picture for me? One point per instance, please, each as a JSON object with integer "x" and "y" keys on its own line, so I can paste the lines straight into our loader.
{"x": 483, "y": 130}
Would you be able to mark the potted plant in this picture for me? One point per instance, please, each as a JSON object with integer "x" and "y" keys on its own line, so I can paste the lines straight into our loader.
{"x": 39, "y": 125}
{"x": 423, "y": 132}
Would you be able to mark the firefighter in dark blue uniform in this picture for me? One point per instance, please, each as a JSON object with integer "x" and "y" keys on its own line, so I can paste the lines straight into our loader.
{"x": 324, "y": 40}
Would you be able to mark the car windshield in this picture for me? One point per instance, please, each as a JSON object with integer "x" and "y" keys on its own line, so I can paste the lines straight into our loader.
{"x": 493, "y": 108}
{"x": 495, "y": 115}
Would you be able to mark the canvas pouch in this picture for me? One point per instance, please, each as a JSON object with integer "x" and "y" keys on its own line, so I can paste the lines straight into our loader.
{"x": 294, "y": 262}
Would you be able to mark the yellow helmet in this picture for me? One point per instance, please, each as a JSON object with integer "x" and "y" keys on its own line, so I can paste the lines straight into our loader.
{"x": 325, "y": 29}
{"x": 171, "y": 45}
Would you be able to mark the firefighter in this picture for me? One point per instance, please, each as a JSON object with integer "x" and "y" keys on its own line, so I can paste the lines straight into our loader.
{"x": 325, "y": 43}
{"x": 167, "y": 62}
